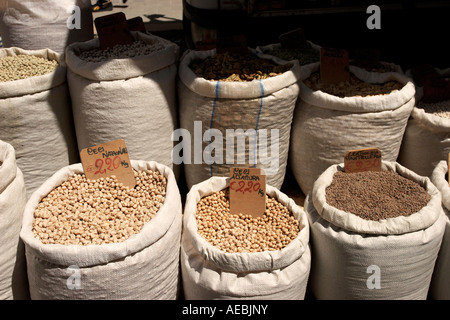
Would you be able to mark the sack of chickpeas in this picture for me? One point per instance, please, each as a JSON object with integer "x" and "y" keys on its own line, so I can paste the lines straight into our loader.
{"x": 427, "y": 136}
{"x": 36, "y": 115}
{"x": 13, "y": 283}
{"x": 374, "y": 234}
{"x": 369, "y": 110}
{"x": 440, "y": 284}
{"x": 226, "y": 256}
{"x": 125, "y": 92}
{"x": 103, "y": 240}
{"x": 53, "y": 24}
{"x": 236, "y": 109}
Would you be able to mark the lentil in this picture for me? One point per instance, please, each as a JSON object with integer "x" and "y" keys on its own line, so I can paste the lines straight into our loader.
{"x": 376, "y": 195}
{"x": 237, "y": 67}
{"x": 135, "y": 49}
{"x": 352, "y": 88}
{"x": 440, "y": 109}
{"x": 84, "y": 212}
{"x": 244, "y": 233}
{"x": 24, "y": 66}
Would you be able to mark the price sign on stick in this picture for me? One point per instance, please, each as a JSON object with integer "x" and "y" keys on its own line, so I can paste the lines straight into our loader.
{"x": 112, "y": 30}
{"x": 334, "y": 65}
{"x": 136, "y": 24}
{"x": 247, "y": 191}
{"x": 106, "y": 160}
{"x": 362, "y": 160}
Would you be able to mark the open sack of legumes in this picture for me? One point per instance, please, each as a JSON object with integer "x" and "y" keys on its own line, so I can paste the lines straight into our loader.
{"x": 13, "y": 283}
{"x": 374, "y": 235}
{"x": 53, "y": 24}
{"x": 427, "y": 136}
{"x": 35, "y": 112}
{"x": 235, "y": 109}
{"x": 226, "y": 256}
{"x": 103, "y": 240}
{"x": 125, "y": 92}
{"x": 440, "y": 283}
{"x": 369, "y": 110}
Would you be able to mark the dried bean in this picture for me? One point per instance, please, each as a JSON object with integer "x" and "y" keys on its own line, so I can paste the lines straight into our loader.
{"x": 84, "y": 212}
{"x": 244, "y": 233}
{"x": 135, "y": 49}
{"x": 25, "y": 66}
{"x": 440, "y": 109}
{"x": 237, "y": 67}
{"x": 352, "y": 88}
{"x": 376, "y": 195}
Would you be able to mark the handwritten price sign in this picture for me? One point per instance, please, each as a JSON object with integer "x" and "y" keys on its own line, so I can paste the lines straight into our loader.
{"x": 362, "y": 160}
{"x": 106, "y": 160}
{"x": 247, "y": 191}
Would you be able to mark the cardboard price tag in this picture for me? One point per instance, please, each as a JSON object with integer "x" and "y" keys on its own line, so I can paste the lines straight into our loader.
{"x": 334, "y": 65}
{"x": 106, "y": 160}
{"x": 247, "y": 191}
{"x": 113, "y": 30}
{"x": 136, "y": 24}
{"x": 362, "y": 160}
{"x": 294, "y": 39}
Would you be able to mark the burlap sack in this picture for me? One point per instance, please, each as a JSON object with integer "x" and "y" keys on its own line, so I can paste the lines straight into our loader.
{"x": 145, "y": 266}
{"x": 427, "y": 138}
{"x": 210, "y": 273}
{"x": 132, "y": 99}
{"x": 52, "y": 24}
{"x": 13, "y": 282}
{"x": 440, "y": 284}
{"x": 325, "y": 127}
{"x": 255, "y": 115}
{"x": 360, "y": 259}
{"x": 36, "y": 119}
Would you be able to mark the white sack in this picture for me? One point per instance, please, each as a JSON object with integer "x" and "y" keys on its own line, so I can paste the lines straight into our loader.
{"x": 426, "y": 140}
{"x": 210, "y": 273}
{"x": 132, "y": 99}
{"x": 13, "y": 284}
{"x": 325, "y": 127}
{"x": 258, "y": 106}
{"x": 351, "y": 253}
{"x": 145, "y": 266}
{"x": 52, "y": 24}
{"x": 440, "y": 284}
{"x": 36, "y": 119}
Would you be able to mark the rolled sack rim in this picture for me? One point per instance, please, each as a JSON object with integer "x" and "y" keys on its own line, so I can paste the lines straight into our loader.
{"x": 430, "y": 121}
{"x": 438, "y": 179}
{"x": 36, "y": 84}
{"x": 358, "y": 104}
{"x": 91, "y": 255}
{"x": 120, "y": 69}
{"x": 419, "y": 220}
{"x": 8, "y": 165}
{"x": 247, "y": 261}
{"x": 234, "y": 89}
